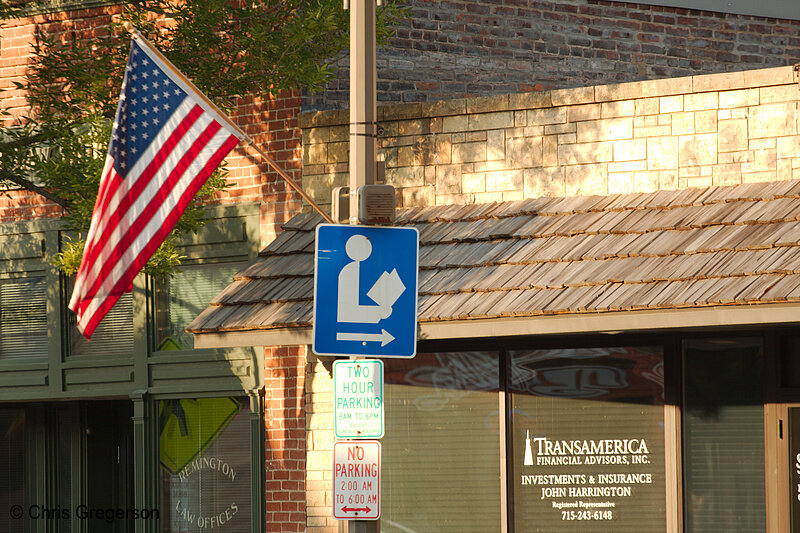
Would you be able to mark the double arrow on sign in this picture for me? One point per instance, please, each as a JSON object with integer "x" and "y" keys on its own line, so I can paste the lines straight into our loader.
{"x": 355, "y": 509}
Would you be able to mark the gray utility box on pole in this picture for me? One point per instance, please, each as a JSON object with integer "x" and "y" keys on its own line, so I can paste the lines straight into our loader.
{"x": 376, "y": 205}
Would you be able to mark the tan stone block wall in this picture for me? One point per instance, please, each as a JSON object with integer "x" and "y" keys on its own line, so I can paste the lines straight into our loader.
{"x": 697, "y": 131}
{"x": 319, "y": 445}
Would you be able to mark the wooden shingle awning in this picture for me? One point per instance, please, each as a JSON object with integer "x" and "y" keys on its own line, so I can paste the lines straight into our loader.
{"x": 669, "y": 259}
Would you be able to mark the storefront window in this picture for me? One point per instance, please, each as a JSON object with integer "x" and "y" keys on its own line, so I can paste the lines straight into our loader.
{"x": 588, "y": 440}
{"x": 23, "y": 318}
{"x": 184, "y": 296}
{"x": 723, "y": 432}
{"x": 204, "y": 448}
{"x": 442, "y": 447}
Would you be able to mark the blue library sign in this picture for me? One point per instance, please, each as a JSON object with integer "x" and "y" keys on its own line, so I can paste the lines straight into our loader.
{"x": 365, "y": 291}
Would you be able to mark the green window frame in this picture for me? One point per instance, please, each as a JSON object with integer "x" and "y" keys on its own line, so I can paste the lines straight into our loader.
{"x": 28, "y": 296}
{"x": 122, "y": 357}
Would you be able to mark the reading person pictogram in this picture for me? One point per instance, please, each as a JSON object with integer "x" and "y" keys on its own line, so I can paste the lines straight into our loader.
{"x": 385, "y": 292}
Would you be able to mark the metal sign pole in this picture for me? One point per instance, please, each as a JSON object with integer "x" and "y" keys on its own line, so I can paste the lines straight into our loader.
{"x": 364, "y": 526}
{"x": 363, "y": 116}
{"x": 363, "y": 112}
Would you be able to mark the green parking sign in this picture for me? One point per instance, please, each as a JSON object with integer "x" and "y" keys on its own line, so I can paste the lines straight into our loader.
{"x": 358, "y": 399}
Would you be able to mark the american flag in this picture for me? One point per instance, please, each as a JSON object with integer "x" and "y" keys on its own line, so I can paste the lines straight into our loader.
{"x": 166, "y": 141}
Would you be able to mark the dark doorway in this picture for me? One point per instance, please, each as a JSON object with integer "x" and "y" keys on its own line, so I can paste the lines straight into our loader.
{"x": 109, "y": 467}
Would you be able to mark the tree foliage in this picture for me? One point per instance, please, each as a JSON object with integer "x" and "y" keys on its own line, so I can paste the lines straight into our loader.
{"x": 228, "y": 48}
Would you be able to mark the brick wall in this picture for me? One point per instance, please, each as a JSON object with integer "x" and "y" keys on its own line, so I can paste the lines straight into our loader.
{"x": 19, "y": 205}
{"x": 716, "y": 129}
{"x": 456, "y": 48}
{"x": 270, "y": 121}
{"x": 285, "y": 420}
{"x": 16, "y": 37}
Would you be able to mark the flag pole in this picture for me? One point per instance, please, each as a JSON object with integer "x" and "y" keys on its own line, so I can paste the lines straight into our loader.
{"x": 223, "y": 116}
{"x": 289, "y": 180}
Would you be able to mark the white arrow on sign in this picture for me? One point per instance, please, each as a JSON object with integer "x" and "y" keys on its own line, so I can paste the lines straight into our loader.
{"x": 384, "y": 337}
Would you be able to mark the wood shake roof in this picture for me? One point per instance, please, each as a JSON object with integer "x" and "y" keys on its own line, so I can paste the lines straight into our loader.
{"x": 717, "y": 246}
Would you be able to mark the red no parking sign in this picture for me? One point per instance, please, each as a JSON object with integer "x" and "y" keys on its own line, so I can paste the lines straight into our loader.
{"x": 357, "y": 480}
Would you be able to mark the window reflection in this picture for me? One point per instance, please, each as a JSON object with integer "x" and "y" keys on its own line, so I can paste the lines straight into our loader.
{"x": 619, "y": 374}
{"x": 179, "y": 299}
{"x": 441, "y": 451}
{"x": 723, "y": 431}
{"x": 588, "y": 440}
{"x": 204, "y": 448}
